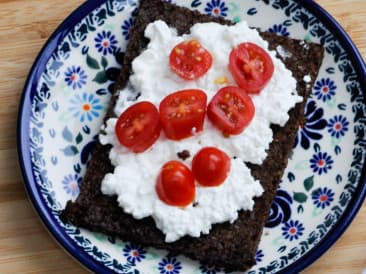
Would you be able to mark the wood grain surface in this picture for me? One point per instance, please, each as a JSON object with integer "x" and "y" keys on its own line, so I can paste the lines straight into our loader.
{"x": 25, "y": 245}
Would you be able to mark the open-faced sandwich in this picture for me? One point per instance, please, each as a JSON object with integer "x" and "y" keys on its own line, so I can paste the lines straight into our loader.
{"x": 197, "y": 137}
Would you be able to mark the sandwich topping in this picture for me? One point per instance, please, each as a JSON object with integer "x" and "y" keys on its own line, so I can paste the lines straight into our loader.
{"x": 182, "y": 111}
{"x": 213, "y": 94}
{"x": 251, "y": 67}
{"x": 190, "y": 60}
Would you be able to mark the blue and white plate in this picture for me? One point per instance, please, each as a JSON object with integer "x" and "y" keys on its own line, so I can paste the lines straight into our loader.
{"x": 67, "y": 93}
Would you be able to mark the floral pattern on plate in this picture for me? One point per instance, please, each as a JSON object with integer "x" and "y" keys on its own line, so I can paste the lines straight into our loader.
{"x": 72, "y": 96}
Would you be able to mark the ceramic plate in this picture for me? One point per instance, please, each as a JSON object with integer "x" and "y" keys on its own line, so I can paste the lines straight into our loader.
{"x": 67, "y": 94}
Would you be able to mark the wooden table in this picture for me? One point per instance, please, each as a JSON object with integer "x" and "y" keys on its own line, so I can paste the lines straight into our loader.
{"x": 25, "y": 245}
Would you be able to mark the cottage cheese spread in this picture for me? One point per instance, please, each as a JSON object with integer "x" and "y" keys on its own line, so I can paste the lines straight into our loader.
{"x": 134, "y": 177}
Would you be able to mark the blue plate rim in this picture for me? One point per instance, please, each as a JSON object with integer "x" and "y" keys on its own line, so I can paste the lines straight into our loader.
{"x": 23, "y": 142}
{"x": 360, "y": 194}
{"x": 48, "y": 219}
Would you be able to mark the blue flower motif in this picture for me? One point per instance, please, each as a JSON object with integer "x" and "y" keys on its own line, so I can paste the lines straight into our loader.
{"x": 105, "y": 42}
{"x": 280, "y": 210}
{"x": 337, "y": 126}
{"x": 75, "y": 77}
{"x": 209, "y": 269}
{"x": 134, "y": 253}
{"x": 71, "y": 184}
{"x": 309, "y": 130}
{"x": 259, "y": 255}
{"x": 216, "y": 8}
{"x": 169, "y": 265}
{"x": 127, "y": 24}
{"x": 324, "y": 89}
{"x": 279, "y": 29}
{"x": 322, "y": 197}
{"x": 321, "y": 162}
{"x": 292, "y": 230}
{"x": 85, "y": 106}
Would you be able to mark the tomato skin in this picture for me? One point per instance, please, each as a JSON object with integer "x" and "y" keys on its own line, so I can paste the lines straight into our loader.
{"x": 182, "y": 111}
{"x": 211, "y": 166}
{"x": 251, "y": 67}
{"x": 175, "y": 184}
{"x": 138, "y": 127}
{"x": 231, "y": 110}
{"x": 189, "y": 60}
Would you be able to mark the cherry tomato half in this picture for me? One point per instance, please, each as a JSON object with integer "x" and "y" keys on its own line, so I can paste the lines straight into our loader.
{"x": 190, "y": 60}
{"x": 175, "y": 184}
{"x": 139, "y": 126}
{"x": 182, "y": 112}
{"x": 251, "y": 67}
{"x": 231, "y": 110}
{"x": 211, "y": 166}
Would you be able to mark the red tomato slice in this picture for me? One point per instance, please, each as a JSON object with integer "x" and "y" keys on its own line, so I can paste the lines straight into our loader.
{"x": 175, "y": 184}
{"x": 139, "y": 126}
{"x": 231, "y": 110}
{"x": 183, "y": 112}
{"x": 211, "y": 166}
{"x": 251, "y": 67}
{"x": 190, "y": 60}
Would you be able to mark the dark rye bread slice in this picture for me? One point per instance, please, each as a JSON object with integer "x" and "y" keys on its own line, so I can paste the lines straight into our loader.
{"x": 228, "y": 246}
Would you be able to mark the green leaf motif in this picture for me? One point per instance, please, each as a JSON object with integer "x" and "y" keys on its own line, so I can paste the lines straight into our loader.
{"x": 309, "y": 183}
{"x": 307, "y": 38}
{"x": 236, "y": 19}
{"x": 70, "y": 150}
{"x": 233, "y": 7}
{"x": 100, "y": 237}
{"x": 91, "y": 62}
{"x": 79, "y": 138}
{"x": 101, "y": 77}
{"x": 152, "y": 256}
{"x": 316, "y": 212}
{"x": 104, "y": 62}
{"x": 302, "y": 165}
{"x": 279, "y": 241}
{"x": 67, "y": 135}
{"x": 300, "y": 197}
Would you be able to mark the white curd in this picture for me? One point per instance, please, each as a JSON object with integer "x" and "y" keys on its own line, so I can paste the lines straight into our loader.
{"x": 134, "y": 177}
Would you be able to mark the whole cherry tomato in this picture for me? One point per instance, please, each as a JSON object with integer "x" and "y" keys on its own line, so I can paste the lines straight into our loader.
{"x": 211, "y": 166}
{"x": 175, "y": 184}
